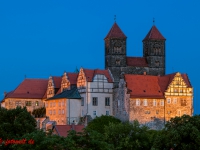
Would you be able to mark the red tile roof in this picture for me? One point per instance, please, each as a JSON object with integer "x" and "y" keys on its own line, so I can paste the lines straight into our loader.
{"x": 91, "y": 73}
{"x": 115, "y": 32}
{"x": 30, "y": 88}
{"x": 72, "y": 77}
{"x": 62, "y": 130}
{"x": 154, "y": 33}
{"x": 136, "y": 61}
{"x": 57, "y": 81}
{"x": 147, "y": 86}
{"x": 144, "y": 86}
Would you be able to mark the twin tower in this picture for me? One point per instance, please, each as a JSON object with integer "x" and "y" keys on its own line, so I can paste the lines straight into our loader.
{"x": 152, "y": 62}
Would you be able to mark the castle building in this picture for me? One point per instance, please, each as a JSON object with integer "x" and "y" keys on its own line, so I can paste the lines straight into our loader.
{"x": 153, "y": 100}
{"x": 116, "y": 60}
{"x": 130, "y": 88}
{"x": 30, "y": 93}
{"x": 96, "y": 90}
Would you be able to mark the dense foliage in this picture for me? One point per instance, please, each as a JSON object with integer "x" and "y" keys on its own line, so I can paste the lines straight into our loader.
{"x": 99, "y": 123}
{"x": 102, "y": 133}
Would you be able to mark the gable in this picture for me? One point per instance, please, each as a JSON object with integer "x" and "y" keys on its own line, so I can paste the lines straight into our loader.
{"x": 100, "y": 78}
{"x": 81, "y": 80}
{"x": 180, "y": 86}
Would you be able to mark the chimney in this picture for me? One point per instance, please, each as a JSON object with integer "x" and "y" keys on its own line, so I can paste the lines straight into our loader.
{"x": 145, "y": 73}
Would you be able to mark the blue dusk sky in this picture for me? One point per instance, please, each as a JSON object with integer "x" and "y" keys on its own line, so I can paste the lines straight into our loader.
{"x": 40, "y": 38}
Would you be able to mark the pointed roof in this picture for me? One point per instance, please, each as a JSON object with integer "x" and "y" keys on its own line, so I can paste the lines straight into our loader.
{"x": 155, "y": 34}
{"x": 115, "y": 32}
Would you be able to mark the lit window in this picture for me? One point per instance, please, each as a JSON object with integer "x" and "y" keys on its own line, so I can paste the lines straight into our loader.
{"x": 17, "y": 103}
{"x": 107, "y": 113}
{"x": 82, "y": 101}
{"x": 94, "y": 101}
{"x": 36, "y": 103}
{"x": 107, "y": 101}
{"x": 169, "y": 100}
{"x": 137, "y": 102}
{"x": 175, "y": 100}
{"x": 145, "y": 102}
{"x": 162, "y": 103}
{"x": 154, "y": 102}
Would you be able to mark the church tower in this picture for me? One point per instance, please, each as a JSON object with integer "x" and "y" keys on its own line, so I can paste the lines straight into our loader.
{"x": 154, "y": 51}
{"x": 115, "y": 51}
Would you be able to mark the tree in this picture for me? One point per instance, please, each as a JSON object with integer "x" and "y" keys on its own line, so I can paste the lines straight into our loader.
{"x": 14, "y": 123}
{"x": 99, "y": 123}
{"x": 180, "y": 133}
{"x": 127, "y": 135}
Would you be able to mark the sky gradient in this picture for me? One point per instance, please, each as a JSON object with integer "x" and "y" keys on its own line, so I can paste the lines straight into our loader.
{"x": 43, "y": 38}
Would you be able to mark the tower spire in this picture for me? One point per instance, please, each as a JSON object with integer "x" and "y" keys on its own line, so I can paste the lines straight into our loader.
{"x": 115, "y": 18}
{"x": 154, "y": 21}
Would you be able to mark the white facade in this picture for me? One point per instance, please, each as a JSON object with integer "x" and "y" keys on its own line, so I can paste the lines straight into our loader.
{"x": 97, "y": 95}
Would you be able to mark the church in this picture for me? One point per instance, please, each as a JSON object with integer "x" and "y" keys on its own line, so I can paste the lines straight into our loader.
{"x": 152, "y": 62}
{"x": 129, "y": 88}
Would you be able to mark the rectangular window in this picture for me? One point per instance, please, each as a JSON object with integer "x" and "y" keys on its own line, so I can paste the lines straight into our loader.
{"x": 107, "y": 101}
{"x": 36, "y": 103}
{"x": 82, "y": 101}
{"x": 168, "y": 100}
{"x": 63, "y": 111}
{"x": 94, "y": 113}
{"x": 17, "y": 103}
{"x": 183, "y": 102}
{"x": 137, "y": 102}
{"x": 46, "y": 104}
{"x": 54, "y": 104}
{"x": 107, "y": 113}
{"x": 28, "y": 103}
{"x": 154, "y": 102}
{"x": 59, "y": 111}
{"x": 147, "y": 112}
{"x": 175, "y": 100}
{"x": 179, "y": 113}
{"x": 94, "y": 101}
{"x": 145, "y": 102}
{"x": 50, "y": 104}
{"x": 59, "y": 104}
{"x": 54, "y": 112}
{"x": 162, "y": 103}
{"x": 62, "y": 103}
{"x": 50, "y": 112}
{"x": 157, "y": 111}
